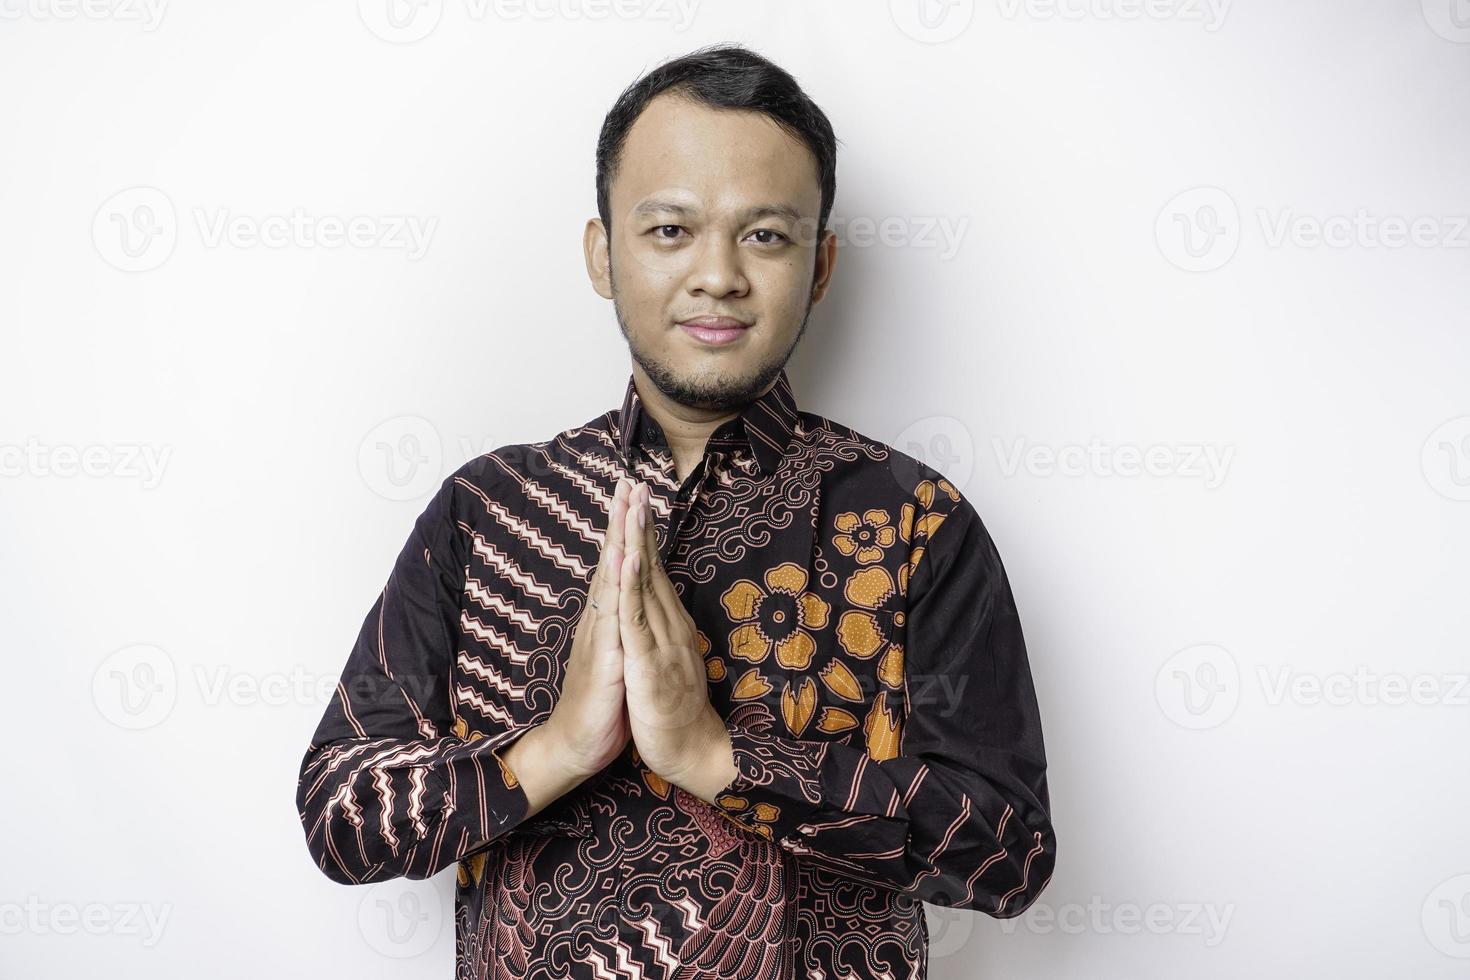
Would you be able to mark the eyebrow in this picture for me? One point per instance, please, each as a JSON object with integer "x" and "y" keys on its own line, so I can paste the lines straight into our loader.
{"x": 781, "y": 210}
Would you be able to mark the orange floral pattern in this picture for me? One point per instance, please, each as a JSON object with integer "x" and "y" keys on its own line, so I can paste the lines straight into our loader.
{"x": 780, "y": 614}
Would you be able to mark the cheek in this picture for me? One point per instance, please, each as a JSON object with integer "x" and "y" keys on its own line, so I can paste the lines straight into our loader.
{"x": 640, "y": 288}
{"x": 783, "y": 286}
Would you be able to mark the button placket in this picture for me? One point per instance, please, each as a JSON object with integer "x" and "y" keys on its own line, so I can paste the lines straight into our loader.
{"x": 685, "y": 500}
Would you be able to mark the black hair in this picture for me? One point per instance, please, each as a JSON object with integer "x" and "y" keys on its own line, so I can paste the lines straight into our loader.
{"x": 722, "y": 76}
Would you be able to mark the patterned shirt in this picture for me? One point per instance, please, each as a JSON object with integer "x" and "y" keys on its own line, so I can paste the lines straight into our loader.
{"x": 859, "y": 637}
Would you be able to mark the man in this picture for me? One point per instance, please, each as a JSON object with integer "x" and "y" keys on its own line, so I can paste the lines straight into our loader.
{"x": 710, "y": 686}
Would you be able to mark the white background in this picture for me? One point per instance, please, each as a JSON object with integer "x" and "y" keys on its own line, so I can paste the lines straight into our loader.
{"x": 1176, "y": 230}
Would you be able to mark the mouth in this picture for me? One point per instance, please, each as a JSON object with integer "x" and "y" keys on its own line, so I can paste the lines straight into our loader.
{"x": 714, "y": 329}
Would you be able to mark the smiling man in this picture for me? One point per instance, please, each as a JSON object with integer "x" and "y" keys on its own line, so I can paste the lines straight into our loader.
{"x": 710, "y": 685}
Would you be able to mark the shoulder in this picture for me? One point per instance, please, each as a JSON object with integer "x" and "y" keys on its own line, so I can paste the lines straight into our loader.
{"x": 866, "y": 468}
{"x": 505, "y": 475}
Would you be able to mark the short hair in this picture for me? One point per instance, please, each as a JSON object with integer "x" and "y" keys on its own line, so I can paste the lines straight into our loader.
{"x": 722, "y": 76}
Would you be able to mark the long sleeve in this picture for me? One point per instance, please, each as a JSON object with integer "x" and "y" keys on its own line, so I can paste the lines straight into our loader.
{"x": 959, "y": 817}
{"x": 387, "y": 787}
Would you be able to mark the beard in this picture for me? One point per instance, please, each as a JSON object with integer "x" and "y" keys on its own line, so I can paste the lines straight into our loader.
{"x": 722, "y": 393}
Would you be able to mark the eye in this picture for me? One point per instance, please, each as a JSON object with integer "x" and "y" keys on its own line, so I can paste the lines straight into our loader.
{"x": 656, "y": 232}
{"x": 771, "y": 231}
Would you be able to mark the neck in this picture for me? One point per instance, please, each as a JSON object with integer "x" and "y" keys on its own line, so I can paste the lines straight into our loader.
{"x": 686, "y": 428}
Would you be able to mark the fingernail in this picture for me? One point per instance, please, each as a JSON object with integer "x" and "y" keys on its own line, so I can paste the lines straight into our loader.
{"x": 642, "y": 510}
{"x": 636, "y": 556}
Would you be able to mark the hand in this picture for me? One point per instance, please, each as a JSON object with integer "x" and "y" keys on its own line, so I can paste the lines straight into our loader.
{"x": 589, "y": 725}
{"x": 678, "y": 733}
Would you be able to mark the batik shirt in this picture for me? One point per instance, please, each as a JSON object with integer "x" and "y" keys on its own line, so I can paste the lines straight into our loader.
{"x": 860, "y": 639}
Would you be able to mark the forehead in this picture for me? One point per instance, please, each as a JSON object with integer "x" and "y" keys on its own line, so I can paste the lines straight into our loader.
{"x": 717, "y": 159}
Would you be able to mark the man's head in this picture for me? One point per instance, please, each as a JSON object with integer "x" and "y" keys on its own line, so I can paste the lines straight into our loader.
{"x": 715, "y": 178}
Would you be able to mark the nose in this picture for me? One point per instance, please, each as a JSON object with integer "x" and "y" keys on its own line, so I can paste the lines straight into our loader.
{"x": 717, "y": 269}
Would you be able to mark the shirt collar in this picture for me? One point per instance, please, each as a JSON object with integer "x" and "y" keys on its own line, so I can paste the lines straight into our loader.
{"x": 765, "y": 426}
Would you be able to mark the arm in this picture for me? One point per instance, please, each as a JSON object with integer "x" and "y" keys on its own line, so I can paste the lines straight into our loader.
{"x": 959, "y": 817}
{"x": 388, "y": 787}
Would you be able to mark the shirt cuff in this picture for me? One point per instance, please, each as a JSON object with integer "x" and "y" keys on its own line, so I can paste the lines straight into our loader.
{"x": 777, "y": 783}
{"x": 489, "y": 796}
{"x": 483, "y": 794}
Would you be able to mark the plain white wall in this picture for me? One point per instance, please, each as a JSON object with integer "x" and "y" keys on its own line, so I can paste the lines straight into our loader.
{"x": 1176, "y": 290}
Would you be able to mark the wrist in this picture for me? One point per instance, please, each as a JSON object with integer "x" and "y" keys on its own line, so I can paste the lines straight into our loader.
{"x": 552, "y": 751}
{"x": 540, "y": 767}
{"x": 713, "y": 765}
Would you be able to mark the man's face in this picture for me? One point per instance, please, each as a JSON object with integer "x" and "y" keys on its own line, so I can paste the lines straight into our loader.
{"x": 689, "y": 239}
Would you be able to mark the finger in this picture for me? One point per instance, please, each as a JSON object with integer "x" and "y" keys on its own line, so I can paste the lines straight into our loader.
{"x": 610, "y": 546}
{"x": 633, "y": 627}
{"x": 615, "y": 537}
{"x": 650, "y": 568}
{"x": 659, "y": 587}
{"x": 633, "y": 612}
{"x": 609, "y": 565}
{"x": 663, "y": 587}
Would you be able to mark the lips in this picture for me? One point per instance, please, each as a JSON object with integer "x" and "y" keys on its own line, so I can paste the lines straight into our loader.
{"x": 714, "y": 329}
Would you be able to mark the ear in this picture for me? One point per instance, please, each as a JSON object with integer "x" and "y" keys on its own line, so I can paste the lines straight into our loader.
{"x": 826, "y": 265}
{"x": 595, "y": 253}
